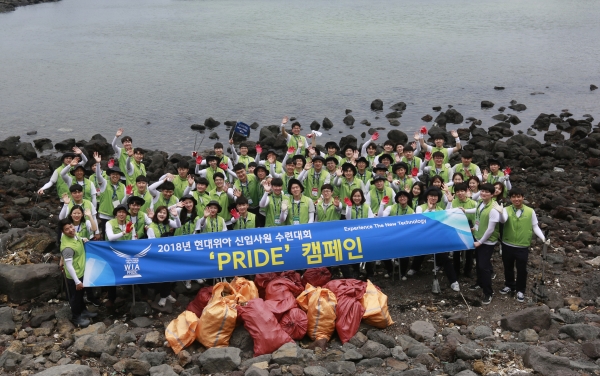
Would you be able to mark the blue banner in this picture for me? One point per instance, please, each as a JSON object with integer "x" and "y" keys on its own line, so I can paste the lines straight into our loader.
{"x": 242, "y": 128}
{"x": 274, "y": 249}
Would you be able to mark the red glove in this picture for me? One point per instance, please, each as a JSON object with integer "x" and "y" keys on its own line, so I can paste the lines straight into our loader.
{"x": 234, "y": 213}
{"x": 194, "y": 154}
{"x": 223, "y": 166}
{"x": 309, "y": 135}
{"x": 423, "y": 130}
{"x": 347, "y": 202}
{"x": 507, "y": 171}
{"x": 428, "y": 156}
{"x": 258, "y": 149}
{"x": 415, "y": 172}
{"x": 375, "y": 136}
{"x": 385, "y": 200}
{"x": 128, "y": 227}
{"x": 291, "y": 150}
{"x": 129, "y": 189}
{"x": 199, "y": 159}
{"x": 111, "y": 163}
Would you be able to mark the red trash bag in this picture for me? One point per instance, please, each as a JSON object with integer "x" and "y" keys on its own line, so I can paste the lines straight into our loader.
{"x": 294, "y": 322}
{"x": 263, "y": 327}
{"x": 200, "y": 301}
{"x": 317, "y": 277}
{"x": 349, "y": 310}
{"x": 262, "y": 280}
{"x": 294, "y": 277}
{"x": 278, "y": 296}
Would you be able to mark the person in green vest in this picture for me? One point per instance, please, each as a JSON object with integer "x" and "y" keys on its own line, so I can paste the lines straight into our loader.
{"x": 73, "y": 254}
{"x": 438, "y": 140}
{"x": 112, "y": 193}
{"x": 332, "y": 149}
{"x": 211, "y": 221}
{"x": 386, "y": 160}
{"x": 78, "y": 171}
{"x": 401, "y": 207}
{"x": 221, "y": 159}
{"x": 473, "y": 182}
{"x": 200, "y": 193}
{"x": 369, "y": 150}
{"x": 188, "y": 216}
{"x": 289, "y": 174}
{"x": 314, "y": 177}
{"x": 411, "y": 161}
{"x": 138, "y": 218}
{"x": 438, "y": 168}
{"x": 486, "y": 231}
{"x": 467, "y": 168}
{"x": 262, "y": 175}
{"x": 331, "y": 165}
{"x": 76, "y": 199}
{"x": 242, "y": 218}
{"x": 348, "y": 155}
{"x": 388, "y": 149}
{"x": 328, "y": 208}
{"x": 210, "y": 171}
{"x": 163, "y": 193}
{"x": 383, "y": 171}
{"x": 357, "y": 208}
{"x": 121, "y": 153}
{"x": 61, "y": 186}
{"x": 275, "y": 203}
{"x": 461, "y": 200}
{"x": 363, "y": 172}
{"x": 496, "y": 175}
{"x": 378, "y": 192}
{"x": 245, "y": 186}
{"x": 299, "y": 163}
{"x": 271, "y": 160}
{"x": 302, "y": 208}
{"x": 223, "y": 195}
{"x": 418, "y": 194}
{"x": 84, "y": 222}
{"x": 135, "y": 169}
{"x": 243, "y": 157}
{"x": 295, "y": 139}
{"x": 402, "y": 181}
{"x": 119, "y": 228}
{"x": 346, "y": 182}
{"x": 520, "y": 223}
{"x": 140, "y": 190}
{"x": 93, "y": 178}
{"x": 180, "y": 181}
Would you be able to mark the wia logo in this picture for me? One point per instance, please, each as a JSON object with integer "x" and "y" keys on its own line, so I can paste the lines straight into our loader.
{"x": 132, "y": 266}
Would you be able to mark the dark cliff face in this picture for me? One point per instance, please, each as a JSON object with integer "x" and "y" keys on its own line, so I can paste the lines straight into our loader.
{"x": 10, "y": 5}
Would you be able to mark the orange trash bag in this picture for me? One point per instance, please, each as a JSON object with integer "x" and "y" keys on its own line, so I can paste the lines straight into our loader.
{"x": 376, "y": 309}
{"x": 246, "y": 289}
{"x": 181, "y": 332}
{"x": 319, "y": 304}
{"x": 218, "y": 319}
{"x": 200, "y": 301}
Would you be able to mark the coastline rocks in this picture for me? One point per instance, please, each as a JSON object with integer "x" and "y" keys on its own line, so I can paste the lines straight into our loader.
{"x": 400, "y": 106}
{"x": 397, "y": 136}
{"x": 65, "y": 145}
{"x": 498, "y": 87}
{"x": 95, "y": 345}
{"x": 487, "y": 104}
{"x": 394, "y": 115}
{"x": 211, "y": 123}
{"x": 427, "y": 118}
{"x": 31, "y": 281}
{"x": 43, "y": 144}
{"x": 19, "y": 165}
{"x": 591, "y": 288}
{"x": 67, "y": 370}
{"x": 223, "y": 359}
{"x": 593, "y": 87}
{"x": 450, "y": 116}
{"x": 518, "y": 107}
{"x": 348, "y": 120}
{"x": 328, "y": 124}
{"x": 377, "y": 105}
{"x": 7, "y": 325}
{"x": 527, "y": 319}
{"x": 315, "y": 126}
{"x": 26, "y": 150}
{"x": 545, "y": 363}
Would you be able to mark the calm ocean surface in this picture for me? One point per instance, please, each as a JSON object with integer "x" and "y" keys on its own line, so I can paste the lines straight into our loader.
{"x": 154, "y": 67}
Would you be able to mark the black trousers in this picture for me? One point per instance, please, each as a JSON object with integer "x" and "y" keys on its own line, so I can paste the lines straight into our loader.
{"x": 417, "y": 262}
{"x": 76, "y": 297}
{"x": 515, "y": 257}
{"x": 456, "y": 259}
{"x": 389, "y": 265}
{"x": 443, "y": 260}
{"x": 483, "y": 255}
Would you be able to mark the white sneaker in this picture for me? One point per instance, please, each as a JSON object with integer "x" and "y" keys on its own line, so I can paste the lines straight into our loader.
{"x": 171, "y": 299}
{"x": 188, "y": 284}
{"x": 505, "y": 290}
{"x": 520, "y": 297}
{"x": 200, "y": 281}
{"x": 386, "y": 275}
{"x": 404, "y": 278}
{"x": 411, "y": 272}
{"x": 162, "y": 302}
{"x": 455, "y": 287}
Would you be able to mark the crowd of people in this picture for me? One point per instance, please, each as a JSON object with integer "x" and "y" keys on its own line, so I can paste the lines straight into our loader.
{"x": 236, "y": 192}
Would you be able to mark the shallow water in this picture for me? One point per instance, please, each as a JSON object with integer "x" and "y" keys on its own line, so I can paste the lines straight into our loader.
{"x": 154, "y": 67}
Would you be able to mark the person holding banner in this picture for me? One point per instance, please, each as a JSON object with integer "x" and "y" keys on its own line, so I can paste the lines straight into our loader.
{"x": 401, "y": 207}
{"x": 302, "y": 208}
{"x": 294, "y": 140}
{"x": 117, "y": 229}
{"x": 139, "y": 219}
{"x": 135, "y": 169}
{"x": 243, "y": 158}
{"x": 275, "y": 203}
{"x": 328, "y": 208}
{"x": 357, "y": 208}
{"x": 241, "y": 218}
{"x": 461, "y": 200}
{"x": 162, "y": 225}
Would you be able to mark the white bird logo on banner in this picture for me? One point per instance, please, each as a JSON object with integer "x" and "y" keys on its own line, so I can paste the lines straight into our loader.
{"x": 132, "y": 266}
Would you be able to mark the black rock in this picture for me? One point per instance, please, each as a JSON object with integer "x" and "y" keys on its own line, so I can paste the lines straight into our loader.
{"x": 348, "y": 140}
{"x": 9, "y": 146}
{"x": 348, "y": 120}
{"x": 99, "y": 146}
{"x": 514, "y": 120}
{"x": 363, "y": 135}
{"x": 441, "y": 119}
{"x": 229, "y": 123}
{"x": 211, "y": 123}
{"x": 31, "y": 133}
{"x": 554, "y": 136}
{"x": 487, "y": 104}
{"x": 436, "y": 108}
{"x": 397, "y": 136}
{"x": 43, "y": 144}
{"x": 377, "y": 105}
{"x": 591, "y": 288}
{"x": 518, "y": 107}
{"x": 366, "y": 122}
{"x": 427, "y": 118}
{"x": 453, "y": 116}
{"x": 198, "y": 127}
{"x": 564, "y": 152}
{"x": 501, "y": 109}
{"x": 498, "y": 87}
{"x": 254, "y": 125}
{"x": 348, "y": 111}
{"x": 65, "y": 145}
{"x": 292, "y": 118}
{"x": 315, "y": 126}
{"x": 327, "y": 124}
{"x": 593, "y": 87}
{"x": 500, "y": 117}
{"x": 4, "y": 165}
{"x": 394, "y": 115}
{"x": 26, "y": 150}
{"x": 19, "y": 165}
{"x": 394, "y": 122}
{"x": 400, "y": 106}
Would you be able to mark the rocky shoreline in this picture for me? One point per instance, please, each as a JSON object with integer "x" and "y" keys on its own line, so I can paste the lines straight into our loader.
{"x": 433, "y": 335}
{"x": 10, "y": 5}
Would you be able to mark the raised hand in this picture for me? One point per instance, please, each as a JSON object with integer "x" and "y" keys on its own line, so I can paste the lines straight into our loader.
{"x": 375, "y": 136}
{"x": 66, "y": 198}
{"x": 173, "y": 211}
{"x": 231, "y": 141}
{"x": 389, "y": 176}
{"x": 498, "y": 207}
{"x": 311, "y": 151}
{"x": 87, "y": 212}
{"x": 266, "y": 185}
{"x": 234, "y": 213}
{"x": 74, "y": 162}
{"x": 416, "y": 136}
{"x": 347, "y": 201}
{"x": 385, "y": 200}
{"x": 291, "y": 150}
{"x": 284, "y": 120}
{"x": 169, "y": 177}
{"x": 128, "y": 227}
{"x": 179, "y": 204}
{"x": 198, "y": 159}
{"x": 428, "y": 156}
{"x": 336, "y": 201}
{"x": 130, "y": 152}
{"x": 224, "y": 166}
{"x": 258, "y": 148}
{"x": 194, "y": 154}
{"x": 190, "y": 180}
{"x": 308, "y": 165}
{"x": 129, "y": 189}
{"x": 485, "y": 175}
{"x": 309, "y": 135}
{"x": 338, "y": 172}
{"x": 119, "y": 132}
{"x": 423, "y": 130}
{"x": 206, "y": 212}
{"x": 237, "y": 193}
{"x": 150, "y": 213}
{"x": 111, "y": 163}
{"x": 454, "y": 133}
{"x": 284, "y": 205}
{"x": 507, "y": 171}
{"x": 414, "y": 172}
{"x": 355, "y": 155}
{"x": 77, "y": 150}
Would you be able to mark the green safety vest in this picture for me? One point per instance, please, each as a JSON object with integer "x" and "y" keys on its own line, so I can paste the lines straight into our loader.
{"x": 327, "y": 214}
{"x": 249, "y": 189}
{"x": 443, "y": 172}
{"x": 365, "y": 178}
{"x": 123, "y": 159}
{"x": 443, "y": 150}
{"x": 138, "y": 170}
{"x": 76, "y": 244}
{"x": 415, "y": 162}
{"x": 468, "y": 204}
{"x": 147, "y": 199}
{"x": 245, "y": 159}
{"x": 286, "y": 179}
{"x": 345, "y": 189}
{"x": 214, "y": 225}
{"x": 314, "y": 180}
{"x": 518, "y": 230}
{"x": 299, "y": 142}
{"x": 377, "y": 195}
{"x": 114, "y": 223}
{"x": 273, "y": 210}
{"x": 298, "y": 211}
{"x": 86, "y": 204}
{"x": 371, "y": 160}
{"x": 86, "y": 188}
{"x": 278, "y": 167}
{"x": 359, "y": 212}
{"x": 223, "y": 200}
{"x": 483, "y": 217}
{"x": 209, "y": 176}
{"x": 202, "y": 199}
{"x": 461, "y": 169}
{"x": 139, "y": 226}
{"x": 245, "y": 223}
{"x": 82, "y": 230}
{"x": 180, "y": 185}
{"x": 164, "y": 202}
{"x": 405, "y": 182}
{"x": 160, "y": 229}
{"x": 187, "y": 228}
{"x": 108, "y": 196}
{"x": 438, "y": 207}
{"x": 61, "y": 186}
{"x": 398, "y": 210}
